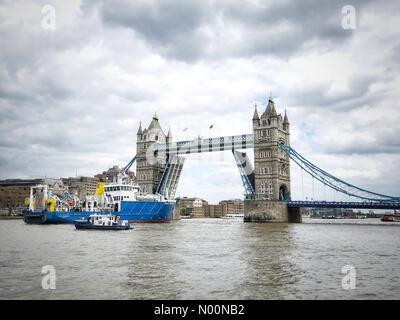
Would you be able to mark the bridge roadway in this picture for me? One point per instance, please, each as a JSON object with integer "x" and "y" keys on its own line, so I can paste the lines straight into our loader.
{"x": 344, "y": 205}
{"x": 201, "y": 145}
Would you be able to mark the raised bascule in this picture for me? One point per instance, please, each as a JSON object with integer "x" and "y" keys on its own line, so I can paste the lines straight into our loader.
{"x": 159, "y": 163}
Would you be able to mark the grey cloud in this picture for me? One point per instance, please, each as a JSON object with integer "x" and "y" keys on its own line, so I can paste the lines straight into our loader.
{"x": 170, "y": 25}
{"x": 310, "y": 19}
{"x": 383, "y": 140}
{"x": 356, "y": 95}
{"x": 176, "y": 28}
{"x": 394, "y": 57}
{"x": 355, "y": 110}
{"x": 160, "y": 21}
{"x": 377, "y": 147}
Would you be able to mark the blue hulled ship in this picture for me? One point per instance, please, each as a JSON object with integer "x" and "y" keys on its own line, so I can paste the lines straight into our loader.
{"x": 120, "y": 197}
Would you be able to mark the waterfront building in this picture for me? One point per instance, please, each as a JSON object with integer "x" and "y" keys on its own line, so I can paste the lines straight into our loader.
{"x": 112, "y": 173}
{"x": 199, "y": 208}
{"x": 233, "y": 206}
{"x": 81, "y": 186}
{"x": 194, "y": 207}
{"x": 14, "y": 192}
{"x": 213, "y": 211}
{"x": 186, "y": 202}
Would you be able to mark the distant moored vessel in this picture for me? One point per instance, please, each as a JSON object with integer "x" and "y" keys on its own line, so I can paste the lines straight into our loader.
{"x": 391, "y": 218}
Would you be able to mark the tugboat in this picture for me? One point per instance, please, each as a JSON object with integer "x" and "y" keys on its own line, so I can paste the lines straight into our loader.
{"x": 102, "y": 222}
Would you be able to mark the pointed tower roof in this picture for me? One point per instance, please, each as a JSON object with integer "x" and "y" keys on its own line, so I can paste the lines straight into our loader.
{"x": 271, "y": 108}
{"x": 154, "y": 123}
{"x": 256, "y": 116}
{"x": 268, "y": 109}
{"x": 169, "y": 135}
{"x": 285, "y": 119}
{"x": 140, "y": 131}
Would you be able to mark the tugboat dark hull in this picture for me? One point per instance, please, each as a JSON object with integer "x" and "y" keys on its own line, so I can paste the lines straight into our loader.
{"x": 38, "y": 218}
{"x": 88, "y": 226}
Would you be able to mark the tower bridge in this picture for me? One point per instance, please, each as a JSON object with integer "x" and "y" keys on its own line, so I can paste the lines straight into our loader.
{"x": 160, "y": 161}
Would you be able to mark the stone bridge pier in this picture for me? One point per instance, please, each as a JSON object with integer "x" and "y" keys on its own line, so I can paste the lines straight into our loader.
{"x": 270, "y": 211}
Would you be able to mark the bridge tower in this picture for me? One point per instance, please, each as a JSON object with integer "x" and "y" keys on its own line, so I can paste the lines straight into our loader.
{"x": 272, "y": 166}
{"x": 272, "y": 169}
{"x": 148, "y": 172}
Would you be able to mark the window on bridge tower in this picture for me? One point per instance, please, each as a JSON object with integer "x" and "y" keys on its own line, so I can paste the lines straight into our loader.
{"x": 269, "y": 187}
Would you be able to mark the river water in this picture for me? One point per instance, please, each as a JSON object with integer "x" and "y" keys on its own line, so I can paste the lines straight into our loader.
{"x": 201, "y": 259}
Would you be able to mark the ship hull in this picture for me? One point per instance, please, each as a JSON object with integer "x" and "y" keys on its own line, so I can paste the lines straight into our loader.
{"x": 132, "y": 211}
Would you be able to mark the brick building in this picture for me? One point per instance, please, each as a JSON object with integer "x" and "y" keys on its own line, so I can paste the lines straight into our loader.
{"x": 112, "y": 173}
{"x": 14, "y": 192}
{"x": 81, "y": 186}
{"x": 194, "y": 207}
{"x": 233, "y": 206}
{"x": 213, "y": 211}
{"x": 199, "y": 208}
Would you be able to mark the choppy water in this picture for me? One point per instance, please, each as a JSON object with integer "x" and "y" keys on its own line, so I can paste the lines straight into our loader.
{"x": 201, "y": 259}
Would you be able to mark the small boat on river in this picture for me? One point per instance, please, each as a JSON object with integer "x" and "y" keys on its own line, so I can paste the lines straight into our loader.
{"x": 102, "y": 222}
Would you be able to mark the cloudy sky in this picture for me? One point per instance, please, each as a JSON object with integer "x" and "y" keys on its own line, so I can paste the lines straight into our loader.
{"x": 71, "y": 97}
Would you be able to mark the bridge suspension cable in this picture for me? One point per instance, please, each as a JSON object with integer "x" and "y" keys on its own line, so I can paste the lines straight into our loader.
{"x": 129, "y": 165}
{"x": 332, "y": 181}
